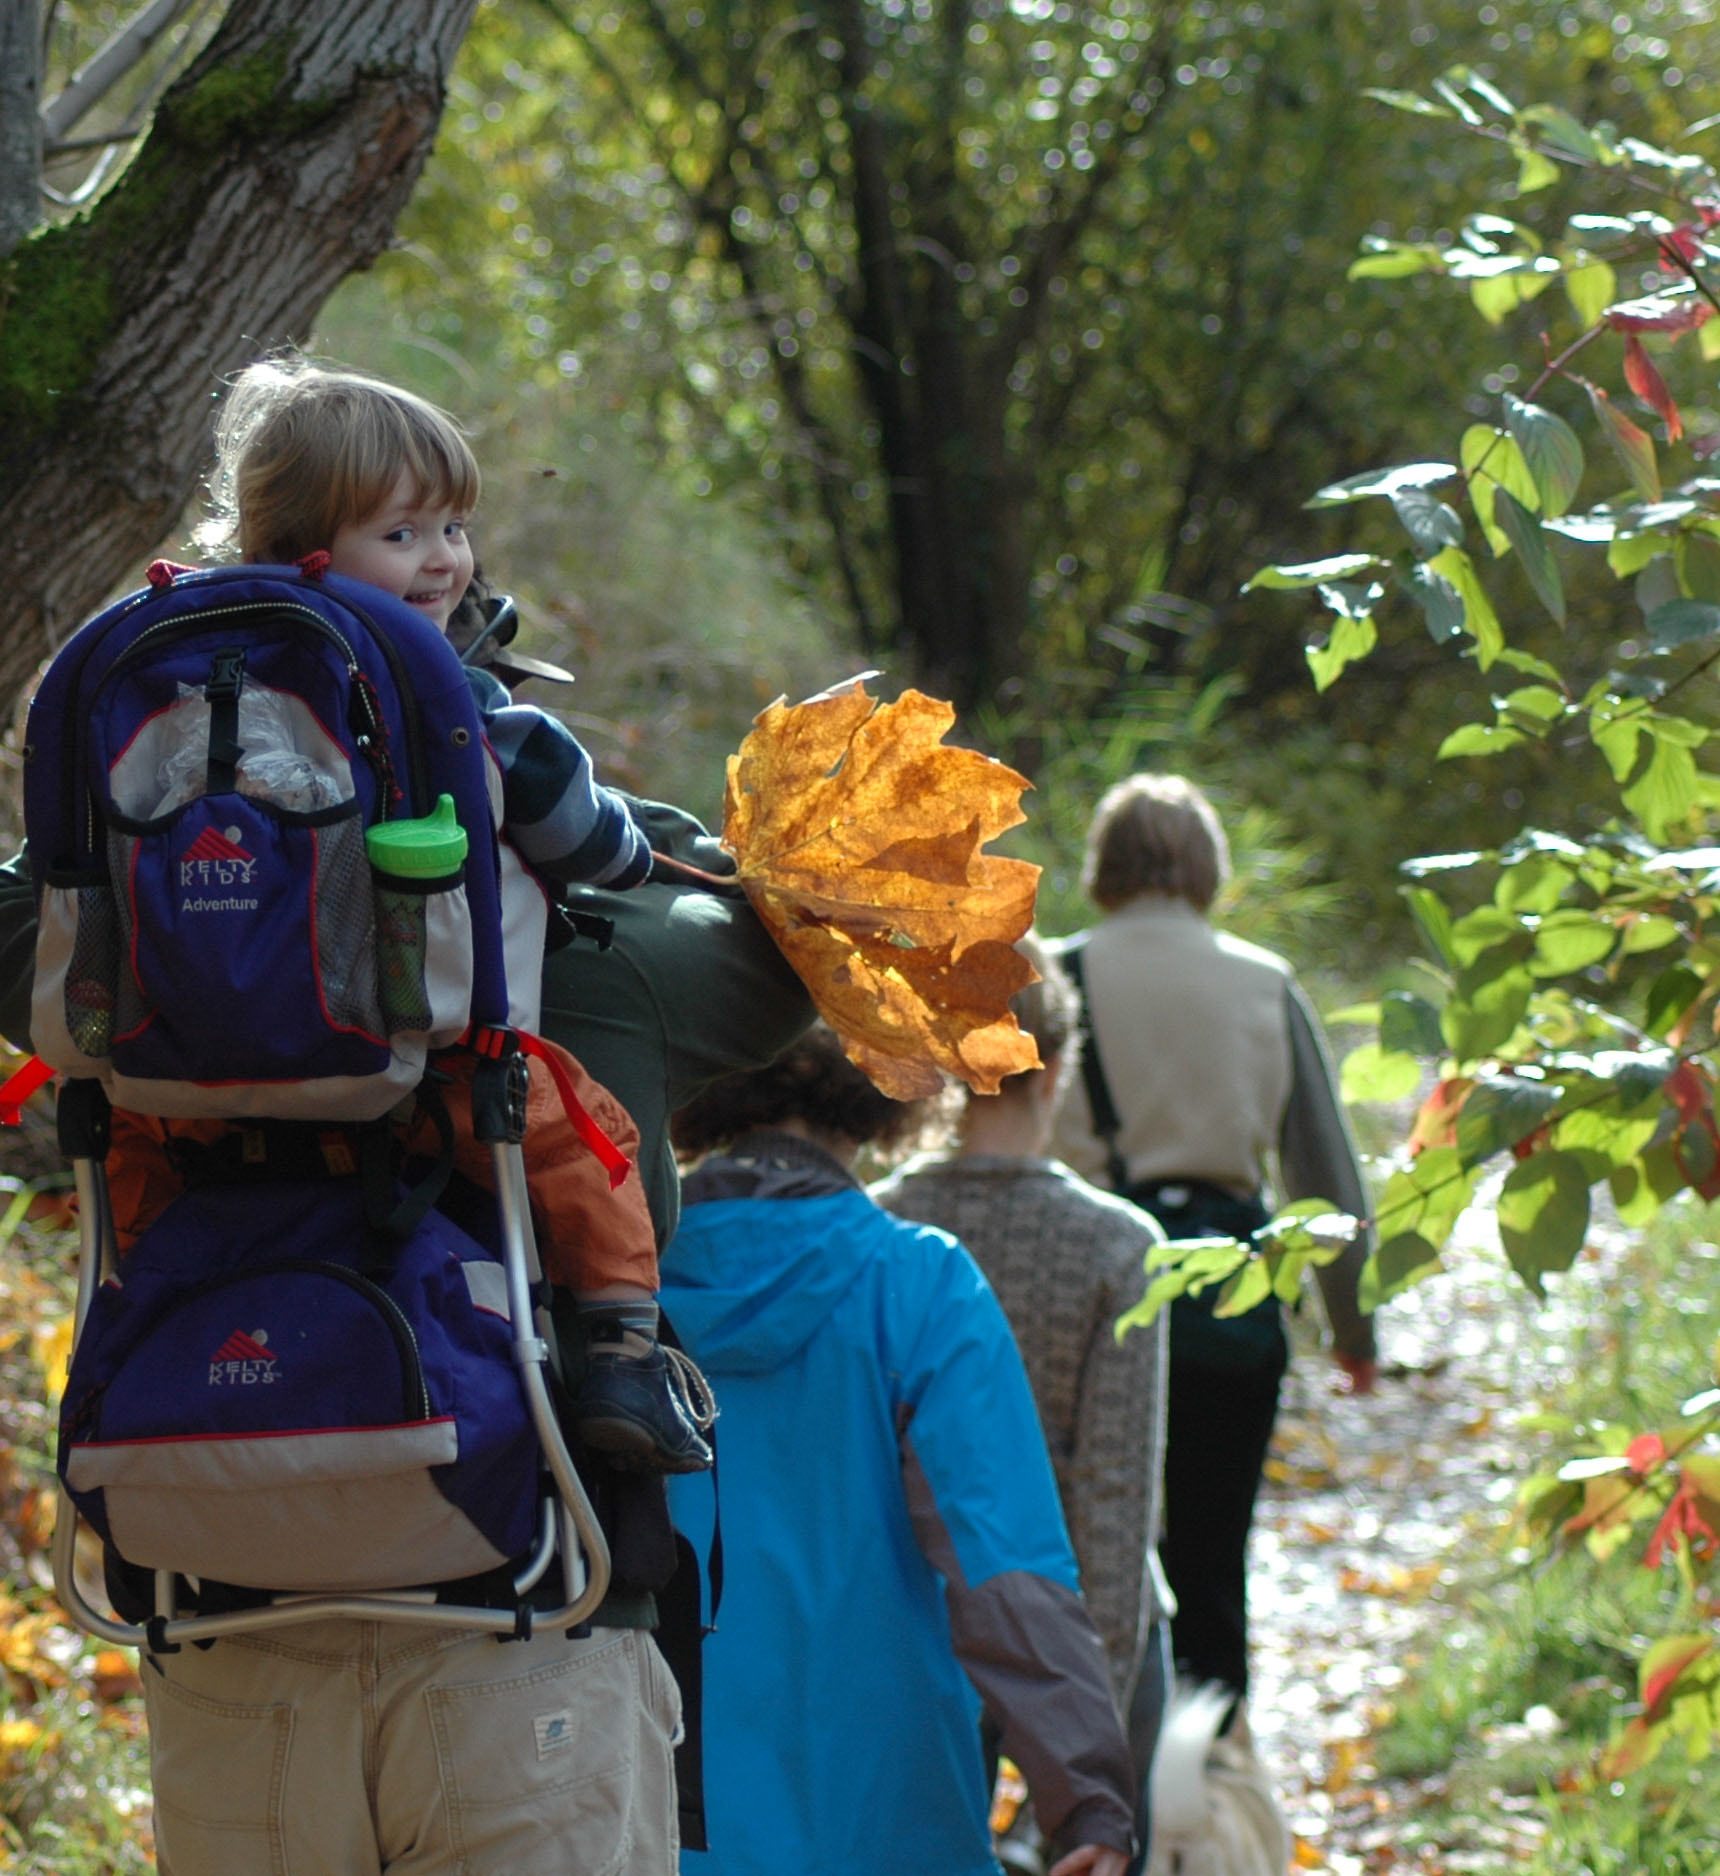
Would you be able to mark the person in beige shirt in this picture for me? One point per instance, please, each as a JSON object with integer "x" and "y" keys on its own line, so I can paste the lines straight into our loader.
{"x": 1206, "y": 1086}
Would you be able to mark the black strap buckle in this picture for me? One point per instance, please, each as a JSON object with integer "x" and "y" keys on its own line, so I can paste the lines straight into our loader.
{"x": 226, "y": 674}
{"x": 226, "y": 680}
{"x": 501, "y": 1082}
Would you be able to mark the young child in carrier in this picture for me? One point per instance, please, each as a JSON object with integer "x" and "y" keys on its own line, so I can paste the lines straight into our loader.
{"x": 314, "y": 461}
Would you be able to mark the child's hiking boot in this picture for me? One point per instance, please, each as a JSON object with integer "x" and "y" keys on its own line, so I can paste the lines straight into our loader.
{"x": 646, "y": 1408}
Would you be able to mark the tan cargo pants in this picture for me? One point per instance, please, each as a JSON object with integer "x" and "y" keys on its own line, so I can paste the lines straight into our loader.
{"x": 353, "y": 1748}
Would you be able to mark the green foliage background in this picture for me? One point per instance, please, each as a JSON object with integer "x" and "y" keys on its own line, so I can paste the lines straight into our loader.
{"x": 616, "y": 269}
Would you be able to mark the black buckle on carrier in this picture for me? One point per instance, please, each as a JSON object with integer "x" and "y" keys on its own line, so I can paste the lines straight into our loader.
{"x": 226, "y": 681}
{"x": 500, "y": 1083}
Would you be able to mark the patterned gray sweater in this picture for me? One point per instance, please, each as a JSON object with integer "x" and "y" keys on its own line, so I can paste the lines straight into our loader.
{"x": 1066, "y": 1260}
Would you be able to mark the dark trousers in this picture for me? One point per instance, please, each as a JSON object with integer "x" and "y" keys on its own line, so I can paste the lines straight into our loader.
{"x": 1218, "y": 1427}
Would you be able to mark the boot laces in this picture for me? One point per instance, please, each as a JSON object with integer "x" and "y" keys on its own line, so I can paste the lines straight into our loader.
{"x": 692, "y": 1390}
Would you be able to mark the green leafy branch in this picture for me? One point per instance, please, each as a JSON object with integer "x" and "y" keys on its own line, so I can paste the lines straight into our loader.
{"x": 1568, "y": 1016}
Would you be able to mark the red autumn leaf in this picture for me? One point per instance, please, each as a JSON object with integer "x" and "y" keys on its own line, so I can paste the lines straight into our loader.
{"x": 1531, "y": 1144}
{"x": 1659, "y": 312}
{"x": 1683, "y": 244}
{"x": 1692, "y": 1093}
{"x": 1645, "y": 1452}
{"x": 1693, "y": 1513}
{"x": 1436, "y": 1118}
{"x": 1682, "y": 1519}
{"x": 1642, "y": 377}
{"x": 1688, "y": 1089}
{"x": 1664, "y": 1663}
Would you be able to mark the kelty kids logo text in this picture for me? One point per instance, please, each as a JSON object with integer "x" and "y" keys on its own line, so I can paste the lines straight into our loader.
{"x": 217, "y": 870}
{"x": 244, "y": 1361}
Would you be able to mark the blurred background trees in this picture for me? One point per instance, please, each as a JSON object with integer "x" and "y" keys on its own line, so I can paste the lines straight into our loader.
{"x": 992, "y": 342}
{"x": 1012, "y": 336}
{"x": 999, "y": 343}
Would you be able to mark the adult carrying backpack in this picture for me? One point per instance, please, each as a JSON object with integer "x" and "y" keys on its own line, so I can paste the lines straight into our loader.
{"x": 202, "y": 762}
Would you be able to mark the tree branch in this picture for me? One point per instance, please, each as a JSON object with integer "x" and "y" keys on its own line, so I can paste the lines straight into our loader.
{"x": 126, "y": 49}
{"x": 20, "y": 122}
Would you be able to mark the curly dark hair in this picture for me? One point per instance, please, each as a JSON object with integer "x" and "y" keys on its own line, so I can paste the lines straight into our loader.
{"x": 812, "y": 1081}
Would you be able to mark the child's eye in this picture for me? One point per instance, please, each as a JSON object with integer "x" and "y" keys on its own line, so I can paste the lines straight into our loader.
{"x": 401, "y": 534}
{"x": 455, "y": 530}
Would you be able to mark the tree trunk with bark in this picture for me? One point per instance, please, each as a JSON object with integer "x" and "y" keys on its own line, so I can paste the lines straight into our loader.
{"x": 20, "y": 121}
{"x": 275, "y": 167}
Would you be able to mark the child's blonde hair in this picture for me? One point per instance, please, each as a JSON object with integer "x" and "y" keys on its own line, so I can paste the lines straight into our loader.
{"x": 304, "y": 449}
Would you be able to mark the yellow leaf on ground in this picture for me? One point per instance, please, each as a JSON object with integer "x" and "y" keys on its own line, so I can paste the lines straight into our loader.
{"x": 858, "y": 837}
{"x": 53, "y": 1349}
{"x": 1344, "y": 1758}
{"x": 1399, "y": 1581}
{"x": 21, "y": 1650}
{"x": 113, "y": 1675}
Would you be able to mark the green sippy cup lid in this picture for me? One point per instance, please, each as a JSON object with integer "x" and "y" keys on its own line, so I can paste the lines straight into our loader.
{"x": 430, "y": 848}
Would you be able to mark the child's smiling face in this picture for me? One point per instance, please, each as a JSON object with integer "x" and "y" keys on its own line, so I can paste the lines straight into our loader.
{"x": 412, "y": 547}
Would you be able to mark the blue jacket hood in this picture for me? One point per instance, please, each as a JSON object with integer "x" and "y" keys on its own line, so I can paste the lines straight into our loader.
{"x": 748, "y": 1298}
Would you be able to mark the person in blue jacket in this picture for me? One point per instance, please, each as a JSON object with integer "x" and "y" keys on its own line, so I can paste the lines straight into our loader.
{"x": 895, "y": 1559}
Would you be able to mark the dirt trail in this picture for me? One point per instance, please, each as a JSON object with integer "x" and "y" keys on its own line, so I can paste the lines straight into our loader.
{"x": 1369, "y": 1504}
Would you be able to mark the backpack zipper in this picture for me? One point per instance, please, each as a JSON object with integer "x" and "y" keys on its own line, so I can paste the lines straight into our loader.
{"x": 194, "y": 623}
{"x": 189, "y": 623}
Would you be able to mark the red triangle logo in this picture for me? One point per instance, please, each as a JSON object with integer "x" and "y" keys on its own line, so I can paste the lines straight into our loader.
{"x": 213, "y": 845}
{"x": 242, "y": 1347}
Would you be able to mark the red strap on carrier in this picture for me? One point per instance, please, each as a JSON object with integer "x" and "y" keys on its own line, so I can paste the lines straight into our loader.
{"x": 35, "y": 1075}
{"x": 19, "y": 1086}
{"x": 609, "y": 1156}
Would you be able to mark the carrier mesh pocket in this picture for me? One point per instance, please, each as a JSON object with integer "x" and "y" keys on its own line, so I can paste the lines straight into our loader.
{"x": 346, "y": 927}
{"x": 92, "y": 977}
{"x": 130, "y": 1007}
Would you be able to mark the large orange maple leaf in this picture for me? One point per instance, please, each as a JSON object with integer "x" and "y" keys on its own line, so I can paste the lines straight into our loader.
{"x": 857, "y": 833}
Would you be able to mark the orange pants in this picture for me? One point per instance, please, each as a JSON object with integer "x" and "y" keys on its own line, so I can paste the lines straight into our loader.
{"x": 590, "y": 1233}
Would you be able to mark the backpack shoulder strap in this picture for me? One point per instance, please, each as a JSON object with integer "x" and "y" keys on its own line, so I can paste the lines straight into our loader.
{"x": 1107, "y": 1123}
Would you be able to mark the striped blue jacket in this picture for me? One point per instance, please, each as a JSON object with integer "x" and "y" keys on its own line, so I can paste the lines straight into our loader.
{"x": 559, "y": 818}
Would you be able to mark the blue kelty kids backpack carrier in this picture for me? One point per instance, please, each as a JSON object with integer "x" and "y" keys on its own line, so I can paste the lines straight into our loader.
{"x": 304, "y": 1385}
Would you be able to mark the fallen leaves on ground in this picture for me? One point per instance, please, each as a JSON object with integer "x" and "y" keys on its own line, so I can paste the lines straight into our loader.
{"x": 1368, "y": 1504}
{"x": 113, "y": 1675}
{"x": 858, "y": 835}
